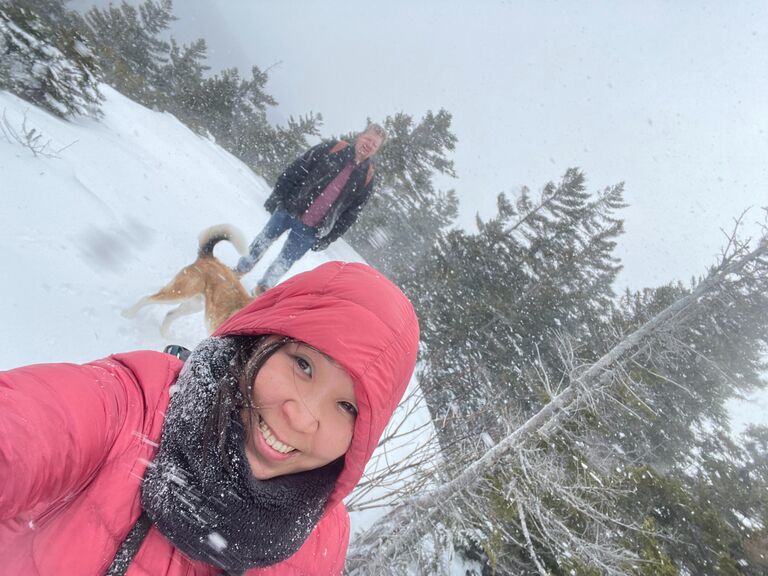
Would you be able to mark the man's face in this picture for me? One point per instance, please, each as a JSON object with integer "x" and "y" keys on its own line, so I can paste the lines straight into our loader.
{"x": 366, "y": 145}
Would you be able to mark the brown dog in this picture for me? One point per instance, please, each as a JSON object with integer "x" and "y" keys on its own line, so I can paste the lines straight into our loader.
{"x": 206, "y": 283}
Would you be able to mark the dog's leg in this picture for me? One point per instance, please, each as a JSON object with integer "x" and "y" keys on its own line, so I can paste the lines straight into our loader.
{"x": 190, "y": 306}
{"x": 133, "y": 310}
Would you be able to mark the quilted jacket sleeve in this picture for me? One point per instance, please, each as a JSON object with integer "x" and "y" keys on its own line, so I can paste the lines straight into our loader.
{"x": 57, "y": 423}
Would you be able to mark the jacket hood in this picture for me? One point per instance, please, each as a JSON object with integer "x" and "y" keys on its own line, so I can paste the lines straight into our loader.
{"x": 352, "y": 313}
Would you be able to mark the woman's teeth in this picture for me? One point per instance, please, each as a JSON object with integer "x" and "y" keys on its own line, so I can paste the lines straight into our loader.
{"x": 272, "y": 441}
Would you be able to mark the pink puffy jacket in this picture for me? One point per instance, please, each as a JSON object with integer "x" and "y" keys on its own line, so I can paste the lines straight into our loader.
{"x": 75, "y": 440}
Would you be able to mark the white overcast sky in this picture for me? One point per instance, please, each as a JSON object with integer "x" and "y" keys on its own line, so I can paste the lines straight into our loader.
{"x": 668, "y": 96}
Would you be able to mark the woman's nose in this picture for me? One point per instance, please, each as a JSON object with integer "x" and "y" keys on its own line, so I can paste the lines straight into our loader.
{"x": 300, "y": 415}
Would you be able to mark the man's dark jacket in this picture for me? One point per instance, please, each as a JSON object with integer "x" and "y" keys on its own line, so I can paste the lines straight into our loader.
{"x": 306, "y": 178}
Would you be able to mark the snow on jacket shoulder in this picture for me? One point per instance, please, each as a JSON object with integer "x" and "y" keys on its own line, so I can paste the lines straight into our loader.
{"x": 74, "y": 444}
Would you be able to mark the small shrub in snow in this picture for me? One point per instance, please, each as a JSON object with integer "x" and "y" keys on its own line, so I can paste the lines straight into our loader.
{"x": 30, "y": 138}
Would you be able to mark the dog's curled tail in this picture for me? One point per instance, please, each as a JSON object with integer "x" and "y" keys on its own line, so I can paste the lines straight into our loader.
{"x": 215, "y": 234}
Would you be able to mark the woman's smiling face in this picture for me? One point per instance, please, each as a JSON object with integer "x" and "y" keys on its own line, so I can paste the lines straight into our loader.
{"x": 304, "y": 412}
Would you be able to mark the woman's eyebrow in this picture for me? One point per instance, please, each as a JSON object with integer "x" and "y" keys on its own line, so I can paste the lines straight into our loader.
{"x": 323, "y": 354}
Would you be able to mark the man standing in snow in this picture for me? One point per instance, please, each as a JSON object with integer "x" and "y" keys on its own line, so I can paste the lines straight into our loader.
{"x": 318, "y": 197}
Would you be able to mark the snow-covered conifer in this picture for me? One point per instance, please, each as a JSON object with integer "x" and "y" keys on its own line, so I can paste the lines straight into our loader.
{"x": 180, "y": 80}
{"x": 62, "y": 78}
{"x": 129, "y": 46}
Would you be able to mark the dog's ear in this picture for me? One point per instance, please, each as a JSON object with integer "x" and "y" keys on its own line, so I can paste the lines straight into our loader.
{"x": 179, "y": 351}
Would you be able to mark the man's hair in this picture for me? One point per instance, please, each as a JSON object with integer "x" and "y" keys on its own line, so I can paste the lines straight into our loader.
{"x": 377, "y": 129}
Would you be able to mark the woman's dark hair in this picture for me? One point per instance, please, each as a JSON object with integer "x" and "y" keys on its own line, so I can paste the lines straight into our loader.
{"x": 235, "y": 390}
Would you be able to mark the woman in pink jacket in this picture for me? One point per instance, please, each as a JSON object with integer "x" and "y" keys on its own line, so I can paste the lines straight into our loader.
{"x": 237, "y": 463}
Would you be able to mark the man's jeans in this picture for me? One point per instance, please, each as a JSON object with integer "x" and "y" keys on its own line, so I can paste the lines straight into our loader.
{"x": 300, "y": 239}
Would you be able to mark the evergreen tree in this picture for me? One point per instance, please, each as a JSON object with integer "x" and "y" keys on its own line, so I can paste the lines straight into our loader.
{"x": 492, "y": 303}
{"x": 658, "y": 449}
{"x": 50, "y": 13}
{"x": 704, "y": 491}
{"x": 179, "y": 82}
{"x": 715, "y": 357}
{"x": 234, "y": 111}
{"x": 709, "y": 515}
{"x": 45, "y": 60}
{"x": 597, "y": 481}
{"x": 129, "y": 46}
{"x": 140, "y": 63}
{"x": 249, "y": 130}
{"x": 215, "y": 103}
{"x": 273, "y": 148}
{"x": 405, "y": 215}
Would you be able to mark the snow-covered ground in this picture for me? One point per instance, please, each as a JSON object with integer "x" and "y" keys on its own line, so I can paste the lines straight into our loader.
{"x": 112, "y": 217}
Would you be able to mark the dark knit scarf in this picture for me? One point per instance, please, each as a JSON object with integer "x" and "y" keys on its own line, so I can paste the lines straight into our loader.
{"x": 199, "y": 491}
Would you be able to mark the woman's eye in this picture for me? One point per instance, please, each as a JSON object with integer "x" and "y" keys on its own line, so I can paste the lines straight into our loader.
{"x": 304, "y": 366}
{"x": 349, "y": 408}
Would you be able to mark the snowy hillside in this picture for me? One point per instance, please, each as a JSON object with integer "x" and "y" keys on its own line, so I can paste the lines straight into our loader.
{"x": 111, "y": 218}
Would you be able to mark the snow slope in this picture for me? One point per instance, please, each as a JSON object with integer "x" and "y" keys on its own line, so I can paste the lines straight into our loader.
{"x": 111, "y": 218}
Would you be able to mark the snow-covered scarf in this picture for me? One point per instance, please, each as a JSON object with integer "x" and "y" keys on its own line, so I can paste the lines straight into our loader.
{"x": 202, "y": 495}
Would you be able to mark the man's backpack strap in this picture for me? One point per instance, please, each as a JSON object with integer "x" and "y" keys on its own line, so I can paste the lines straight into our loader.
{"x": 338, "y": 147}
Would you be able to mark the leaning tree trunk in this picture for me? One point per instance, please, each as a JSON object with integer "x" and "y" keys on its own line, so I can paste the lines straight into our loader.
{"x": 401, "y": 530}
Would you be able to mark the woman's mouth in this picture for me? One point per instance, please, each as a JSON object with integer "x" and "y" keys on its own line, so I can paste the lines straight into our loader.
{"x": 270, "y": 439}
